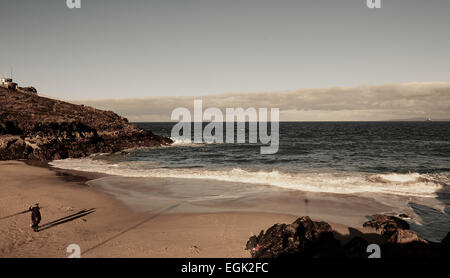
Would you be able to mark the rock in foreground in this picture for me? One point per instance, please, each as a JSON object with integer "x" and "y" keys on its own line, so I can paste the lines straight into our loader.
{"x": 39, "y": 128}
{"x": 305, "y": 238}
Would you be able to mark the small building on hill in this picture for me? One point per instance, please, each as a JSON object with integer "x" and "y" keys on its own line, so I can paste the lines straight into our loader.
{"x": 8, "y": 83}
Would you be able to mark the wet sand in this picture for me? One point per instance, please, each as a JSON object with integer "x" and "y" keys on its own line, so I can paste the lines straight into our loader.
{"x": 104, "y": 227}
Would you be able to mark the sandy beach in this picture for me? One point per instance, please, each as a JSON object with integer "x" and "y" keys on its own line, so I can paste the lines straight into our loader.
{"x": 174, "y": 235}
{"x": 104, "y": 227}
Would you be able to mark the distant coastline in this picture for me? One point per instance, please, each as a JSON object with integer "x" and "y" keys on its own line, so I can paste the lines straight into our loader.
{"x": 419, "y": 120}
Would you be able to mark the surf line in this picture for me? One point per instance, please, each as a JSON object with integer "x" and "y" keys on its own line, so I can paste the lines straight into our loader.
{"x": 213, "y": 131}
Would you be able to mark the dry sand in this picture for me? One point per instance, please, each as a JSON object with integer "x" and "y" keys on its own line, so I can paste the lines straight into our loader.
{"x": 112, "y": 230}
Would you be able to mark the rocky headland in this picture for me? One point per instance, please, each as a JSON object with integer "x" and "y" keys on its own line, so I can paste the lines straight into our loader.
{"x": 39, "y": 128}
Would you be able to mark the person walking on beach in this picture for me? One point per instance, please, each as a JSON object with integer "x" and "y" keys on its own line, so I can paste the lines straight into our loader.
{"x": 35, "y": 217}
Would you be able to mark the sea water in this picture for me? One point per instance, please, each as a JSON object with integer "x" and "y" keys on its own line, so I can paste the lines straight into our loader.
{"x": 402, "y": 165}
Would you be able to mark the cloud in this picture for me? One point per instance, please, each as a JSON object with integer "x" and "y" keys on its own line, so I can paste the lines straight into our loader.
{"x": 362, "y": 103}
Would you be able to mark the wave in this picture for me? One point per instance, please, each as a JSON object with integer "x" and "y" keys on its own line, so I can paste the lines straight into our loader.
{"x": 400, "y": 178}
{"x": 185, "y": 142}
{"x": 411, "y": 184}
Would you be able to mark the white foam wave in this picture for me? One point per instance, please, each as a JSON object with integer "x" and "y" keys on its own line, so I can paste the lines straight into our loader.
{"x": 184, "y": 142}
{"x": 413, "y": 184}
{"x": 400, "y": 178}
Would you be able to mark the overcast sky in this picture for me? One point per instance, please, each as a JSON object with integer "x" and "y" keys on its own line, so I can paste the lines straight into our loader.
{"x": 314, "y": 59}
{"x": 136, "y": 48}
{"x": 362, "y": 103}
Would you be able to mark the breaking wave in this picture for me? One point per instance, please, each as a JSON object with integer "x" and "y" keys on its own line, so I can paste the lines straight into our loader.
{"x": 185, "y": 142}
{"x": 410, "y": 184}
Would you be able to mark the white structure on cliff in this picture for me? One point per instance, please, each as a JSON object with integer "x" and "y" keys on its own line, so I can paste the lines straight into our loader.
{"x": 8, "y": 83}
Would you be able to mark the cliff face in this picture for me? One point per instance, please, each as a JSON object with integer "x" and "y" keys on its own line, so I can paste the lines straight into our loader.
{"x": 39, "y": 128}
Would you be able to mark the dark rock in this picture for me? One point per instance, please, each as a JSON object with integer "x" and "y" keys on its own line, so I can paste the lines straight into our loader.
{"x": 402, "y": 215}
{"x": 446, "y": 241}
{"x": 356, "y": 248}
{"x": 405, "y": 236}
{"x": 303, "y": 238}
{"x": 28, "y": 90}
{"x": 394, "y": 230}
{"x": 12, "y": 146}
{"x": 388, "y": 224}
{"x": 252, "y": 242}
{"x": 38, "y": 128}
{"x": 10, "y": 127}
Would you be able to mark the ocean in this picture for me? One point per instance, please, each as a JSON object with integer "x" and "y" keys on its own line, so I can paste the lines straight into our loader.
{"x": 404, "y": 167}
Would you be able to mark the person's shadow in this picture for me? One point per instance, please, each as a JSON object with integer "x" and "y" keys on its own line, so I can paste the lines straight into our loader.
{"x": 65, "y": 219}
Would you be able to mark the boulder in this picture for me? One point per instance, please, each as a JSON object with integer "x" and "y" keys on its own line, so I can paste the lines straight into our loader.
{"x": 305, "y": 238}
{"x": 405, "y": 236}
{"x": 13, "y": 147}
{"x": 29, "y": 90}
{"x": 302, "y": 238}
{"x": 387, "y": 224}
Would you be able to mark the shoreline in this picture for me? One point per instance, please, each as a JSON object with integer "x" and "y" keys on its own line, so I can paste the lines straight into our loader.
{"x": 428, "y": 216}
{"x": 112, "y": 229}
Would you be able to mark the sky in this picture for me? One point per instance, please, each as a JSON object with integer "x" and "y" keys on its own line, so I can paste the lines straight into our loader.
{"x": 111, "y": 49}
{"x": 406, "y": 101}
